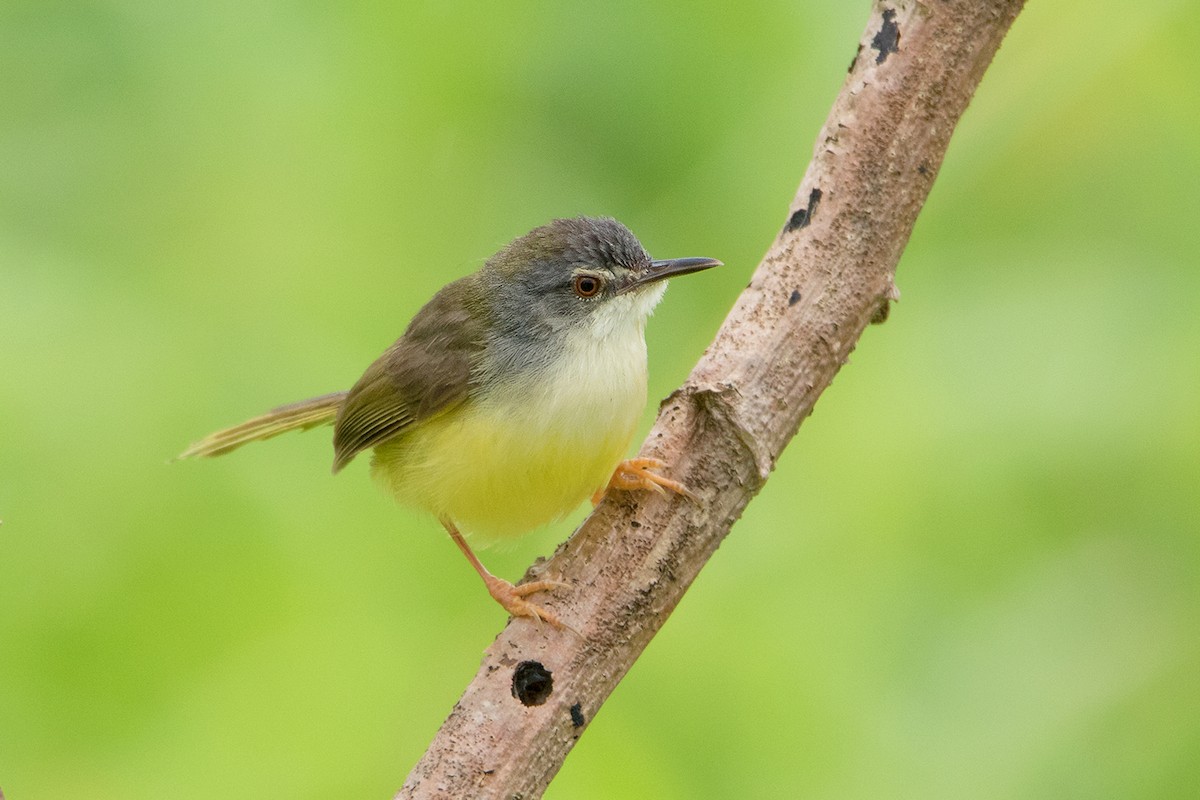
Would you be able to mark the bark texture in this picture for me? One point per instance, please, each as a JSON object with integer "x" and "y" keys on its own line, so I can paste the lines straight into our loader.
{"x": 828, "y": 274}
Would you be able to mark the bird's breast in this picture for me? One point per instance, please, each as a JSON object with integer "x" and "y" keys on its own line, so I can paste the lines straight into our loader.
{"x": 592, "y": 386}
{"x": 529, "y": 447}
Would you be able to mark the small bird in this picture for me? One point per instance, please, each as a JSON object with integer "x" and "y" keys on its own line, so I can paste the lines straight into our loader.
{"x": 512, "y": 395}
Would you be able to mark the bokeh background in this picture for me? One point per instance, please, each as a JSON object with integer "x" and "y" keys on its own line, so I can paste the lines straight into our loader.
{"x": 975, "y": 573}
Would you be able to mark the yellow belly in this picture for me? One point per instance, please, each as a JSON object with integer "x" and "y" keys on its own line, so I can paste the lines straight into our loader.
{"x": 524, "y": 456}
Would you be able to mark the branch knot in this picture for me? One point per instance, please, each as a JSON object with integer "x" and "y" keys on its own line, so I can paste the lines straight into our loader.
{"x": 719, "y": 404}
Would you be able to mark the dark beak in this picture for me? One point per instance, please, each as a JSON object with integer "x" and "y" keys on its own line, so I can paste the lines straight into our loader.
{"x": 660, "y": 270}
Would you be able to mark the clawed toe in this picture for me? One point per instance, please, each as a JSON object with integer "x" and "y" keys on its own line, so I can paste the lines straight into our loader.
{"x": 640, "y": 473}
{"x": 533, "y": 587}
{"x": 512, "y": 598}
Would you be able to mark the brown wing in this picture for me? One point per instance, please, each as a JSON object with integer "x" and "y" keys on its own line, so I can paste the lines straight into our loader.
{"x": 427, "y": 371}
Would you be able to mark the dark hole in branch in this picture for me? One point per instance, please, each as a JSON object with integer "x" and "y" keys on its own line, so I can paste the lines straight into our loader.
{"x": 532, "y": 683}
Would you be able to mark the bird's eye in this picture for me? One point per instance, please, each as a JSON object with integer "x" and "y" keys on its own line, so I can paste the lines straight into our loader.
{"x": 586, "y": 285}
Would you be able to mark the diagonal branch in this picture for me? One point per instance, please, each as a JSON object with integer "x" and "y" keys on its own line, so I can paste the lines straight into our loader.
{"x": 827, "y": 275}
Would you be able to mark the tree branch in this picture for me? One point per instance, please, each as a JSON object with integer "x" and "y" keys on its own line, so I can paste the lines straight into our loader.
{"x": 827, "y": 275}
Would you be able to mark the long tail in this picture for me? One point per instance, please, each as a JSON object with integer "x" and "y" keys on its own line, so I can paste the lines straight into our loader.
{"x": 297, "y": 416}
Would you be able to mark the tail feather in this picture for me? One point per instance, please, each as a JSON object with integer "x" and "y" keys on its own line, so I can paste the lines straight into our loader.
{"x": 296, "y": 416}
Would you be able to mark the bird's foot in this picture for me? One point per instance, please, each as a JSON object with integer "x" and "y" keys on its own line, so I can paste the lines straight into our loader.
{"x": 638, "y": 473}
{"x": 512, "y": 598}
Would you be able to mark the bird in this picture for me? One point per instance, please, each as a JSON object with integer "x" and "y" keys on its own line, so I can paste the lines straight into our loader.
{"x": 512, "y": 395}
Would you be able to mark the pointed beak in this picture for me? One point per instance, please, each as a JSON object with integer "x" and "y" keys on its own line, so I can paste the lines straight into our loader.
{"x": 660, "y": 270}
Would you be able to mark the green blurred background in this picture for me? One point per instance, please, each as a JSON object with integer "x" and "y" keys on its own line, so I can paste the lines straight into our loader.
{"x": 975, "y": 573}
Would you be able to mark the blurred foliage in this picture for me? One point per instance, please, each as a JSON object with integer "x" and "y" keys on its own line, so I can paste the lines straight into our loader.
{"x": 976, "y": 572}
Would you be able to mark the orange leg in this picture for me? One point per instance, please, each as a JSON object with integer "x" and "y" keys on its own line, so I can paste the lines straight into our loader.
{"x": 512, "y": 598}
{"x": 638, "y": 473}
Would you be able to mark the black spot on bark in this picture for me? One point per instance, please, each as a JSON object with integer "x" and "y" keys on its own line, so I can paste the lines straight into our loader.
{"x": 801, "y": 218}
{"x": 794, "y": 298}
{"x": 577, "y": 716}
{"x": 887, "y": 41}
{"x": 923, "y": 168}
{"x": 532, "y": 683}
